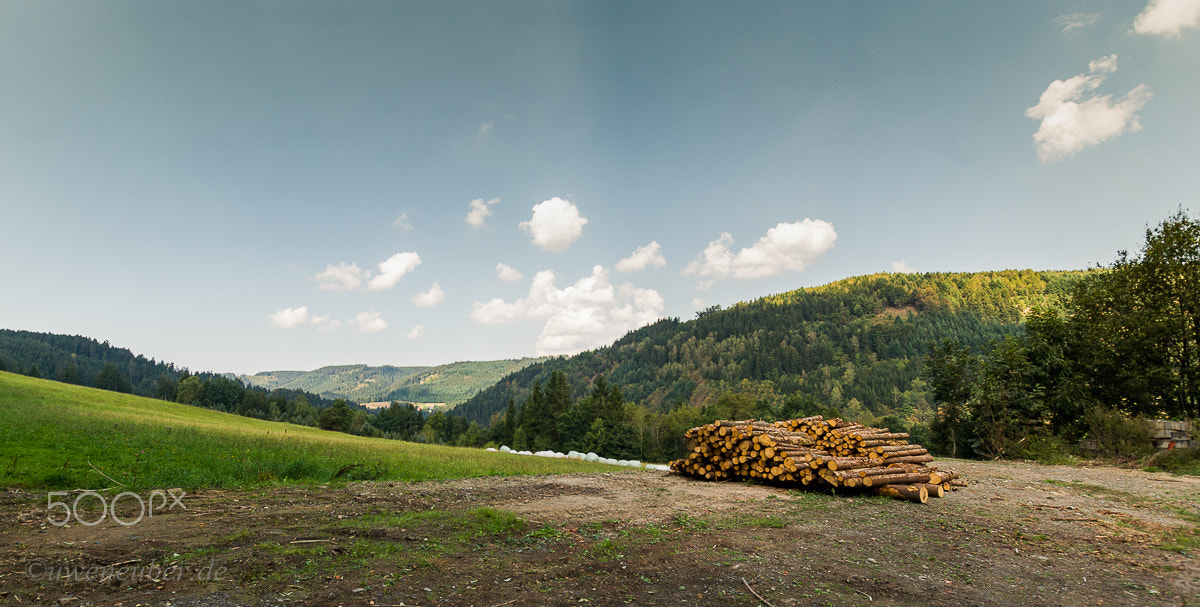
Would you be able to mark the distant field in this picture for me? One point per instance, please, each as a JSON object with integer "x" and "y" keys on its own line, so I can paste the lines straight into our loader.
{"x": 59, "y": 436}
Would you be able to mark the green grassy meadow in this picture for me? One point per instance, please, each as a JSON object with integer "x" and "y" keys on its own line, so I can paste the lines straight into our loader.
{"x": 60, "y": 436}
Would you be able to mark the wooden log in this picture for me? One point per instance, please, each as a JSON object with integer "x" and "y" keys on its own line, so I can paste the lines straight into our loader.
{"x": 849, "y": 463}
{"x": 911, "y": 459}
{"x": 896, "y": 448}
{"x": 895, "y": 479}
{"x": 935, "y": 490}
{"x": 883, "y": 443}
{"x": 882, "y": 436}
{"x": 886, "y": 470}
{"x": 915, "y": 450}
{"x": 912, "y": 493}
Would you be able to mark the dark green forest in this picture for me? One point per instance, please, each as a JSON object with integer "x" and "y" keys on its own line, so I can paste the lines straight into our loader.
{"x": 857, "y": 344}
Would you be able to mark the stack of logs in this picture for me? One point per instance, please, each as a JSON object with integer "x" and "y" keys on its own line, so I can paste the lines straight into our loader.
{"x": 818, "y": 452}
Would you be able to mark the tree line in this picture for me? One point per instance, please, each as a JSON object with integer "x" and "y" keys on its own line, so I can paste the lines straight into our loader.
{"x": 1125, "y": 345}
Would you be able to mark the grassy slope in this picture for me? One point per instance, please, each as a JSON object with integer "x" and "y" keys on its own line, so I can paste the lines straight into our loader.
{"x": 59, "y": 436}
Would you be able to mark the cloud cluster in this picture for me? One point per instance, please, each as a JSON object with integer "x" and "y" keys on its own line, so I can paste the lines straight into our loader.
{"x": 1168, "y": 18}
{"x": 787, "y": 247}
{"x": 902, "y": 267}
{"x": 587, "y": 314}
{"x": 643, "y": 257}
{"x": 368, "y": 322}
{"x": 1073, "y": 118}
{"x": 350, "y": 277}
{"x": 507, "y": 273}
{"x": 556, "y": 223}
{"x": 392, "y": 269}
{"x": 293, "y": 318}
{"x": 430, "y": 298}
{"x": 342, "y": 277}
{"x": 478, "y": 211}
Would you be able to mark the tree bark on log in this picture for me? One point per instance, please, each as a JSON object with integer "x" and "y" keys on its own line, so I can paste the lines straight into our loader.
{"x": 912, "y": 493}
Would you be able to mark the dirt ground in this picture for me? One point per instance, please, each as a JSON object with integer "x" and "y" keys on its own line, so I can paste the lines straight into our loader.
{"x": 1020, "y": 534}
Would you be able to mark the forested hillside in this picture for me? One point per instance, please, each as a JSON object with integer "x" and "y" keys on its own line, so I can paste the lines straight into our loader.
{"x": 74, "y": 359}
{"x": 366, "y": 384}
{"x": 855, "y": 345}
{"x": 451, "y": 384}
{"x": 79, "y": 360}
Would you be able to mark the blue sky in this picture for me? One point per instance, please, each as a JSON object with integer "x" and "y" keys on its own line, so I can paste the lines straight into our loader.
{"x": 251, "y": 186}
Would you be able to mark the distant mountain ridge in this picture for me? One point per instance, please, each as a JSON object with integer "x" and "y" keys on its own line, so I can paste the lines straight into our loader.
{"x": 449, "y": 384}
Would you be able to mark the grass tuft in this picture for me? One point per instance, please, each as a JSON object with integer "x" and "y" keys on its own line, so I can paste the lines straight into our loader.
{"x": 1175, "y": 461}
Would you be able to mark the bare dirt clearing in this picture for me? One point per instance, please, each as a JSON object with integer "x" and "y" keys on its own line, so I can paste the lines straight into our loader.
{"x": 1021, "y": 534}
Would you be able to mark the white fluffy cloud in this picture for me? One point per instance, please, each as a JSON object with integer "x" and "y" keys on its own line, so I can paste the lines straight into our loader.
{"x": 787, "y": 247}
{"x": 350, "y": 277}
{"x": 392, "y": 269}
{"x": 587, "y": 314}
{"x": 901, "y": 267}
{"x": 430, "y": 298}
{"x": 507, "y": 273}
{"x": 416, "y": 332}
{"x": 643, "y": 257}
{"x": 342, "y": 277}
{"x": 368, "y": 322}
{"x": 1168, "y": 18}
{"x": 556, "y": 223}
{"x": 290, "y": 318}
{"x": 1072, "y": 120}
{"x": 479, "y": 211}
